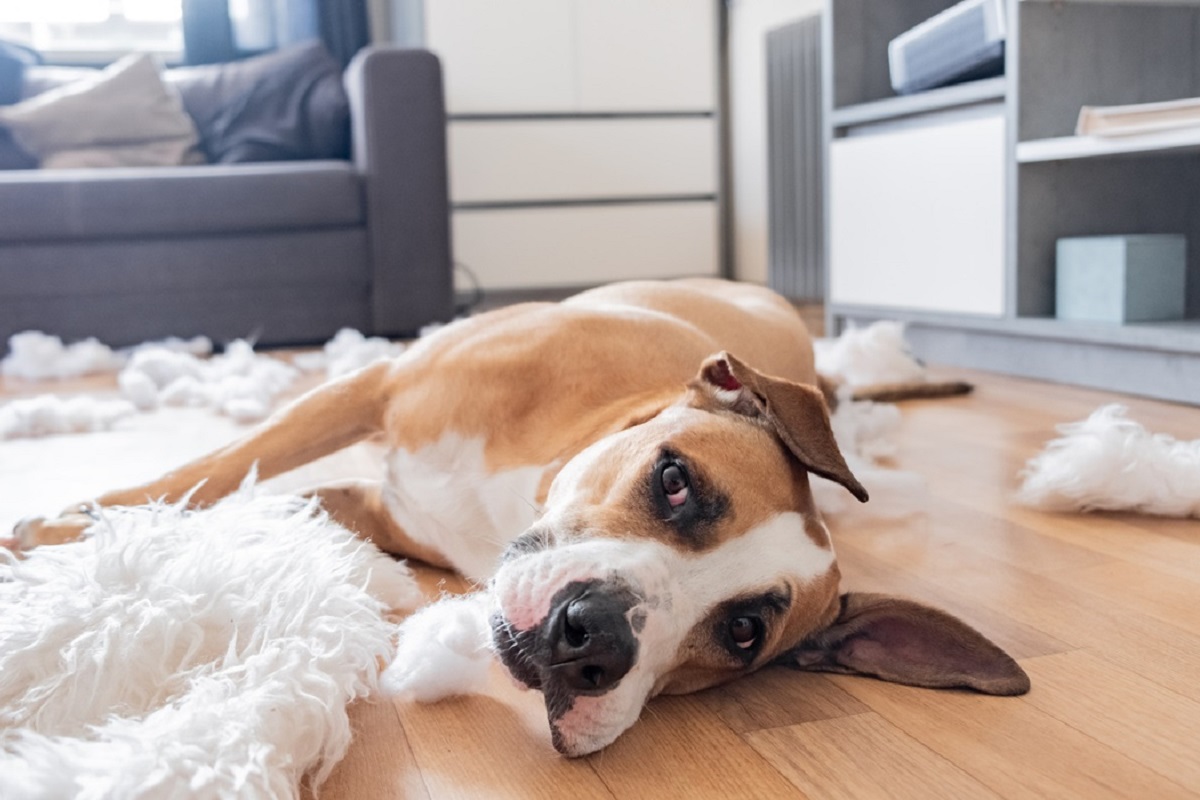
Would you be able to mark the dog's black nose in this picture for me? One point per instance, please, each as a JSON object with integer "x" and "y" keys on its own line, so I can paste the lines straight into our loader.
{"x": 591, "y": 643}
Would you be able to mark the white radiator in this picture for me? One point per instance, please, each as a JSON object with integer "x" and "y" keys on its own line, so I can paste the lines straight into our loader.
{"x": 795, "y": 160}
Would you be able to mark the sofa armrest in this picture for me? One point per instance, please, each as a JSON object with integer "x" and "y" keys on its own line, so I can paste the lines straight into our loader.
{"x": 398, "y": 119}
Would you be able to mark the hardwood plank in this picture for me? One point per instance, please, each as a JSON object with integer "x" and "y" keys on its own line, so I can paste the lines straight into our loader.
{"x": 1151, "y": 725}
{"x": 1008, "y": 541}
{"x": 862, "y": 756}
{"x": 1011, "y": 746}
{"x": 1169, "y": 546}
{"x": 380, "y": 762}
{"x": 680, "y": 750}
{"x": 1165, "y": 597}
{"x": 778, "y": 696}
{"x": 495, "y": 747}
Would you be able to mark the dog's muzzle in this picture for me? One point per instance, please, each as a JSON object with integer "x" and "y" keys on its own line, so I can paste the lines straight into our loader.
{"x": 584, "y": 646}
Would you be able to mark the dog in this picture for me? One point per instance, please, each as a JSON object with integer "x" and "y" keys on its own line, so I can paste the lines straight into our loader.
{"x": 628, "y": 473}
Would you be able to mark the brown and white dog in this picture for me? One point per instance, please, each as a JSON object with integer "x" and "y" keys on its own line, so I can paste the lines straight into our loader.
{"x": 635, "y": 496}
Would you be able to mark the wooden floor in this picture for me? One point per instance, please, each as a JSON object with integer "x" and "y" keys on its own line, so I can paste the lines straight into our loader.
{"x": 1103, "y": 611}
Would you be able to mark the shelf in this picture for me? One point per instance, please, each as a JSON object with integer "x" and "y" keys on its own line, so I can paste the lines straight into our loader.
{"x": 1180, "y": 336}
{"x": 964, "y": 94}
{"x": 1176, "y": 336}
{"x": 1066, "y": 148}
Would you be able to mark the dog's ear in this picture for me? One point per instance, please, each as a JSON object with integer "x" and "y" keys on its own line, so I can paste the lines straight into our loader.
{"x": 906, "y": 642}
{"x": 796, "y": 413}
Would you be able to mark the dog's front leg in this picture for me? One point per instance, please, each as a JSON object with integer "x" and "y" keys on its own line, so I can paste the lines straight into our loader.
{"x": 359, "y": 506}
{"x": 325, "y": 420}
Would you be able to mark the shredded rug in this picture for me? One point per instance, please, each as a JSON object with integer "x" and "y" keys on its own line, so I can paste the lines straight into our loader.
{"x": 191, "y": 654}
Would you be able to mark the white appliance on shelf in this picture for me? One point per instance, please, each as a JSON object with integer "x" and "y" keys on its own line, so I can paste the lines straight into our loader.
{"x": 964, "y": 42}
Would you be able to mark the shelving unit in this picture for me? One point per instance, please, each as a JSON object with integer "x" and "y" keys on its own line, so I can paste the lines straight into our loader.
{"x": 1060, "y": 56}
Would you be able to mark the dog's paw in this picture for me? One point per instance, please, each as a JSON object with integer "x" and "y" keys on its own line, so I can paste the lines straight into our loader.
{"x": 38, "y": 531}
{"x": 444, "y": 650}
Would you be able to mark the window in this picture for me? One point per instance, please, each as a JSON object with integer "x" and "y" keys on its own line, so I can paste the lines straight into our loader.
{"x": 94, "y": 31}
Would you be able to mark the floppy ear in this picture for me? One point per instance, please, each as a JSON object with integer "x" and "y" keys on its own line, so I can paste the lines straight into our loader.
{"x": 906, "y": 642}
{"x": 796, "y": 413}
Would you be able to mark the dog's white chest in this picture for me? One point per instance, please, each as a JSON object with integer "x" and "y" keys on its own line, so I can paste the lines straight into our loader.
{"x": 444, "y": 497}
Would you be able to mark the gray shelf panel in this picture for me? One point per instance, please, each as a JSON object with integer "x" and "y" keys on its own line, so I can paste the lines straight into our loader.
{"x": 1181, "y": 336}
{"x": 1103, "y": 357}
{"x": 964, "y": 94}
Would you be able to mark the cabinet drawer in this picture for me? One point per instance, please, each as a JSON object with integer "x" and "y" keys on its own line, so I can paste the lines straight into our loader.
{"x": 555, "y": 56}
{"x": 515, "y": 55}
{"x": 582, "y": 245}
{"x": 652, "y": 55}
{"x": 581, "y": 159}
{"x": 917, "y": 218}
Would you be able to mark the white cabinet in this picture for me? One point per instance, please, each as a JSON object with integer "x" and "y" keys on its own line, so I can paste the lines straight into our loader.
{"x": 917, "y": 217}
{"x": 584, "y": 137}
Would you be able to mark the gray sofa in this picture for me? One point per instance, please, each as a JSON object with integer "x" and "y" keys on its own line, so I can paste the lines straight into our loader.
{"x": 286, "y": 252}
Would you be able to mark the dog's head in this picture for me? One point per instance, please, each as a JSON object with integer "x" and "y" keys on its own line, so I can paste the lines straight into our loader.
{"x": 685, "y": 551}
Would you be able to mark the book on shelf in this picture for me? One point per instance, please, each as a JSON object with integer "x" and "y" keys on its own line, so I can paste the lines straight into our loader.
{"x": 1139, "y": 118}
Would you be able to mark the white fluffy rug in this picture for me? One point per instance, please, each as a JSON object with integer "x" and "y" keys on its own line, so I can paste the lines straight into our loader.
{"x": 190, "y": 654}
{"x": 1108, "y": 462}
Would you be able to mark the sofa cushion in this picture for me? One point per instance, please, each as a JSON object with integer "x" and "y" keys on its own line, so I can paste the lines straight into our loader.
{"x": 122, "y": 116}
{"x": 166, "y": 201}
{"x": 285, "y": 105}
{"x": 11, "y": 154}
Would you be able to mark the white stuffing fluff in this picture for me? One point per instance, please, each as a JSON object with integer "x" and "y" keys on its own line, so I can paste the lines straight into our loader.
{"x": 865, "y": 430}
{"x": 347, "y": 351}
{"x": 178, "y": 654}
{"x": 238, "y": 383}
{"x": 1108, "y": 462}
{"x": 34, "y": 356}
{"x": 866, "y": 434}
{"x": 868, "y": 356}
{"x": 196, "y": 346}
{"x": 444, "y": 650}
{"x": 48, "y": 414}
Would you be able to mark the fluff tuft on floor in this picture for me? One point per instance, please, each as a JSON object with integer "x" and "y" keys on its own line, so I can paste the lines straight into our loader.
{"x": 36, "y": 356}
{"x": 48, "y": 414}
{"x": 1109, "y": 462}
{"x": 239, "y": 383}
{"x": 347, "y": 351}
{"x": 876, "y": 354}
{"x": 203, "y": 654}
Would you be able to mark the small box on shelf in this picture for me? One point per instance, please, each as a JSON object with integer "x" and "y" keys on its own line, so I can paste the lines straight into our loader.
{"x": 1121, "y": 278}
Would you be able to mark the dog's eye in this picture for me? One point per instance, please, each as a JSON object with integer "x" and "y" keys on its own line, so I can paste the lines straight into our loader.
{"x": 675, "y": 485}
{"x": 745, "y": 631}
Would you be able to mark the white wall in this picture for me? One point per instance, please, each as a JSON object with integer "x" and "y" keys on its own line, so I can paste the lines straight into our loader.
{"x": 749, "y": 21}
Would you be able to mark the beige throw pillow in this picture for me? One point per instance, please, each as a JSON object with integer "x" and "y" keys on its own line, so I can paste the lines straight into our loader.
{"x": 125, "y": 116}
